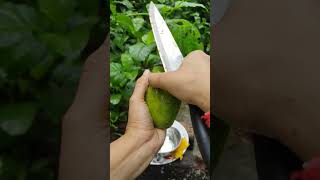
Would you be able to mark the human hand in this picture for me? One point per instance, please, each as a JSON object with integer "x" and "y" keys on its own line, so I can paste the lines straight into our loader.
{"x": 190, "y": 83}
{"x": 140, "y": 123}
{"x": 131, "y": 154}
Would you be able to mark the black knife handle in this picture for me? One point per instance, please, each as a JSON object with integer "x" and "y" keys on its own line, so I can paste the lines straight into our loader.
{"x": 201, "y": 133}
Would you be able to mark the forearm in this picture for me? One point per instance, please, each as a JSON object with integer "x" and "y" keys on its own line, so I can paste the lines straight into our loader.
{"x": 128, "y": 152}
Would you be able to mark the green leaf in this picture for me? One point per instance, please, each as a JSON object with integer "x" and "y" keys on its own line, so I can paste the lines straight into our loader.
{"x": 115, "y": 57}
{"x": 127, "y": 61}
{"x": 69, "y": 45}
{"x": 138, "y": 23}
{"x": 16, "y": 22}
{"x": 126, "y": 3}
{"x": 115, "y": 69}
{"x": 6, "y": 141}
{"x": 12, "y": 168}
{"x": 9, "y": 38}
{"x": 24, "y": 86}
{"x": 82, "y": 22}
{"x": 42, "y": 68}
{"x": 115, "y": 99}
{"x": 113, "y": 8}
{"x": 57, "y": 10}
{"x": 119, "y": 40}
{"x": 131, "y": 75}
{"x": 126, "y": 23}
{"x": 186, "y": 35}
{"x": 161, "y": 1}
{"x": 78, "y": 40}
{"x": 114, "y": 117}
{"x": 153, "y": 60}
{"x": 16, "y": 18}
{"x": 16, "y": 119}
{"x": 66, "y": 73}
{"x": 3, "y": 77}
{"x": 148, "y": 38}
{"x": 27, "y": 45}
{"x": 40, "y": 169}
{"x": 39, "y": 164}
{"x": 117, "y": 78}
{"x": 127, "y": 92}
{"x": 180, "y": 4}
{"x": 140, "y": 51}
{"x": 88, "y": 7}
{"x": 55, "y": 98}
{"x": 55, "y": 42}
{"x": 164, "y": 9}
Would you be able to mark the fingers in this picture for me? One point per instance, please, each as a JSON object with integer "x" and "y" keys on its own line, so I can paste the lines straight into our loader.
{"x": 196, "y": 55}
{"x": 165, "y": 81}
{"x": 141, "y": 87}
{"x": 169, "y": 80}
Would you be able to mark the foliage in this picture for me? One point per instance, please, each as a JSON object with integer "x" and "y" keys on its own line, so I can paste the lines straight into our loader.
{"x": 43, "y": 44}
{"x": 133, "y": 48}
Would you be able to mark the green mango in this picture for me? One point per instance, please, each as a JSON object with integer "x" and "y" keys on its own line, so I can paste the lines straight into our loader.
{"x": 163, "y": 107}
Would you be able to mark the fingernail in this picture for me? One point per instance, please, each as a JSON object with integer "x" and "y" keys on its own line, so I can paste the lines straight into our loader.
{"x": 146, "y": 71}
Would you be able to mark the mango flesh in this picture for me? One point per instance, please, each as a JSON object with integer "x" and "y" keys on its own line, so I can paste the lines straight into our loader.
{"x": 163, "y": 107}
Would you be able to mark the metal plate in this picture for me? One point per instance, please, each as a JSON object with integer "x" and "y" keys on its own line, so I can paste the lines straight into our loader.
{"x": 159, "y": 160}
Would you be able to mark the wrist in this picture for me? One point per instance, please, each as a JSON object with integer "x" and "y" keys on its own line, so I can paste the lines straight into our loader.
{"x": 204, "y": 103}
{"x": 143, "y": 140}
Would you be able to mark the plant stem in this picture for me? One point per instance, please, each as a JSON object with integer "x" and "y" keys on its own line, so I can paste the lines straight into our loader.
{"x": 138, "y": 14}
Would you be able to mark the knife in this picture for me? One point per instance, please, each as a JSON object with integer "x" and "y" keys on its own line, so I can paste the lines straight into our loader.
{"x": 171, "y": 58}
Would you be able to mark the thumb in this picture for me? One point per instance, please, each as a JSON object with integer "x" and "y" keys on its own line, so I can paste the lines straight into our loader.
{"x": 166, "y": 81}
{"x": 141, "y": 86}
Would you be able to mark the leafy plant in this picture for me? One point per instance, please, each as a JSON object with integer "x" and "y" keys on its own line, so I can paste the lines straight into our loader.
{"x": 133, "y": 48}
{"x": 43, "y": 44}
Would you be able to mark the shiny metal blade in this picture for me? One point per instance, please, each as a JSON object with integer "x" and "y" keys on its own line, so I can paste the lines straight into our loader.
{"x": 169, "y": 51}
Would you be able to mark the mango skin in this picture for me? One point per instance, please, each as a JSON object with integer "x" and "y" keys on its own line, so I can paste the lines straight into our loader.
{"x": 163, "y": 107}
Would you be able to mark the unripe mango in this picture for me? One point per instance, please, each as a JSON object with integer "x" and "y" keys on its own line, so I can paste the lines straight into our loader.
{"x": 163, "y": 107}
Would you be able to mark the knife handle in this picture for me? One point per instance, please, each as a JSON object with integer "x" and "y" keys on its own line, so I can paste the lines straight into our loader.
{"x": 201, "y": 133}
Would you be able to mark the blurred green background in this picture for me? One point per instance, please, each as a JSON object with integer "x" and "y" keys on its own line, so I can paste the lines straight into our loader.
{"x": 43, "y": 45}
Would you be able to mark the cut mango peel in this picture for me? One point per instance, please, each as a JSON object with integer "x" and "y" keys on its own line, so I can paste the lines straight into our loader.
{"x": 178, "y": 153}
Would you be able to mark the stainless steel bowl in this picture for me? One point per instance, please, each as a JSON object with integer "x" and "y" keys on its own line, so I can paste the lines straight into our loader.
{"x": 171, "y": 143}
{"x": 160, "y": 159}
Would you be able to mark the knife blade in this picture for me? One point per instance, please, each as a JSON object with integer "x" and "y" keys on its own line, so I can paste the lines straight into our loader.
{"x": 169, "y": 51}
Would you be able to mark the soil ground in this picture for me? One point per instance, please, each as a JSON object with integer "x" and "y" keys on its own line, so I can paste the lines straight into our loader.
{"x": 191, "y": 167}
{"x": 237, "y": 161}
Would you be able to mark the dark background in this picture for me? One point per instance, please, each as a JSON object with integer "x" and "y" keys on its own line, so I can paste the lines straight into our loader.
{"x": 43, "y": 45}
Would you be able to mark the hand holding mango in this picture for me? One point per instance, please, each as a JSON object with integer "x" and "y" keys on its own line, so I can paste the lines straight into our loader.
{"x": 190, "y": 83}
